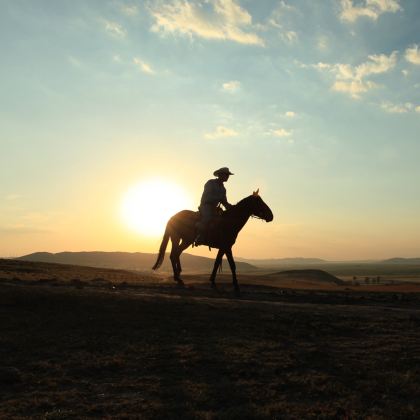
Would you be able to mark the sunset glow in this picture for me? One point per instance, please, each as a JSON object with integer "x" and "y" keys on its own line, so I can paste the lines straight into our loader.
{"x": 147, "y": 205}
{"x": 315, "y": 102}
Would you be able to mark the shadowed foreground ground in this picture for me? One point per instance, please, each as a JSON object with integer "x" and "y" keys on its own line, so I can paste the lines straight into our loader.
{"x": 71, "y": 352}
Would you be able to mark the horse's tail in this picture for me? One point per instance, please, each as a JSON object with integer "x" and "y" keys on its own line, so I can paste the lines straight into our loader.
{"x": 162, "y": 249}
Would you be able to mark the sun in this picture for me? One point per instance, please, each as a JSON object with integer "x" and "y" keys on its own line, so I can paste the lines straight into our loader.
{"x": 148, "y": 205}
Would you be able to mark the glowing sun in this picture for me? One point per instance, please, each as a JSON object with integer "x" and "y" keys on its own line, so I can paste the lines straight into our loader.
{"x": 148, "y": 205}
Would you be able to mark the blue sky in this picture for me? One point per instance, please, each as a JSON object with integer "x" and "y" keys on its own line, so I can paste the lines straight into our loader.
{"x": 315, "y": 102}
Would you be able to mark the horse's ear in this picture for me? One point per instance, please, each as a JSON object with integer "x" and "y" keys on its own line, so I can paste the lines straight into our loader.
{"x": 256, "y": 192}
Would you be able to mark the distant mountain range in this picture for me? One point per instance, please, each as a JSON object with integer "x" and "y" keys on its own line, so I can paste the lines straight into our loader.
{"x": 129, "y": 260}
{"x": 141, "y": 261}
{"x": 272, "y": 262}
{"x": 301, "y": 261}
{"x": 402, "y": 261}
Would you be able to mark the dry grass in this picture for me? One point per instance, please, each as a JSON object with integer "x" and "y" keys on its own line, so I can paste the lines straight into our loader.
{"x": 154, "y": 351}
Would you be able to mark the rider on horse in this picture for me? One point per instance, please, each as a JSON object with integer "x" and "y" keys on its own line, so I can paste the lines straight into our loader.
{"x": 214, "y": 194}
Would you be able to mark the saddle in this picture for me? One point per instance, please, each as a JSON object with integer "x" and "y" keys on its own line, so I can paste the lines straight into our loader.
{"x": 203, "y": 237}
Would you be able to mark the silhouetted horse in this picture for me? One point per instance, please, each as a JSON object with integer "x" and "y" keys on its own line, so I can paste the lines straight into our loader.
{"x": 181, "y": 229}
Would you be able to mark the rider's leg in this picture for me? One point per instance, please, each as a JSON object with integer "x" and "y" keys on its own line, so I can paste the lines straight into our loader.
{"x": 206, "y": 213}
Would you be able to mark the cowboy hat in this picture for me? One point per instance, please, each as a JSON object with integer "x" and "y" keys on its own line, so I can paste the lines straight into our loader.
{"x": 222, "y": 171}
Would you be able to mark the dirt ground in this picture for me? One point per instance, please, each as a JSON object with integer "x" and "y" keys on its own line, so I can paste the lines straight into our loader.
{"x": 77, "y": 342}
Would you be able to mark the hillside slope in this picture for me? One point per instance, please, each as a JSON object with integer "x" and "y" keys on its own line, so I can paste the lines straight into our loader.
{"x": 129, "y": 260}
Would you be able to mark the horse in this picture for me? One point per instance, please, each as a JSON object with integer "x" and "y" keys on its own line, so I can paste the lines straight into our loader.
{"x": 181, "y": 229}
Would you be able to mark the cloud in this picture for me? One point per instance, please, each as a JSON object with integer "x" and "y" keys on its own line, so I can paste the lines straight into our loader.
{"x": 22, "y": 229}
{"x": 417, "y": 109}
{"x": 322, "y": 43}
{"x": 220, "y": 20}
{"x": 281, "y": 132}
{"x": 290, "y": 114}
{"x": 280, "y": 22}
{"x": 232, "y": 86}
{"x": 143, "y": 66}
{"x": 397, "y": 108}
{"x": 412, "y": 54}
{"x": 129, "y": 9}
{"x": 289, "y": 36}
{"x": 12, "y": 197}
{"x": 371, "y": 9}
{"x": 277, "y": 15}
{"x": 221, "y": 132}
{"x": 115, "y": 29}
{"x": 352, "y": 79}
{"x": 75, "y": 62}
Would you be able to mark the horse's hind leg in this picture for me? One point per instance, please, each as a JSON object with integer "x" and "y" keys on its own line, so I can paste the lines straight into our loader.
{"x": 174, "y": 256}
{"x": 181, "y": 248}
{"x": 177, "y": 249}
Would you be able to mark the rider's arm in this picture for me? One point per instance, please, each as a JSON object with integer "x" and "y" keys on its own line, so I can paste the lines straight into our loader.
{"x": 224, "y": 201}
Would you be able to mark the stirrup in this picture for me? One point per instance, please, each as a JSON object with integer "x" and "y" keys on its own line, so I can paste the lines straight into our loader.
{"x": 199, "y": 240}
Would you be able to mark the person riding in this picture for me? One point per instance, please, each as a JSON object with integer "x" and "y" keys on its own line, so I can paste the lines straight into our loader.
{"x": 213, "y": 195}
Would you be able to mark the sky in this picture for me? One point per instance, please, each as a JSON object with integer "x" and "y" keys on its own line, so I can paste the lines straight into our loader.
{"x": 314, "y": 102}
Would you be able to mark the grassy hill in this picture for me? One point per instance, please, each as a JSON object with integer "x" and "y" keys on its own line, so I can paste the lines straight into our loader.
{"x": 83, "y": 342}
{"x": 140, "y": 261}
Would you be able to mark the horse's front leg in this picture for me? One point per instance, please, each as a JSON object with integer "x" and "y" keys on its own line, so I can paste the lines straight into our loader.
{"x": 217, "y": 263}
{"x": 232, "y": 265}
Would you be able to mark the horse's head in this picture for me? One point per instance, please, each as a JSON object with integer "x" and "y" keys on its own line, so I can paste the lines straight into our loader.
{"x": 259, "y": 208}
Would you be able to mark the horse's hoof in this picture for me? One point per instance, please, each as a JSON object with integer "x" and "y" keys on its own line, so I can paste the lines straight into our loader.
{"x": 179, "y": 282}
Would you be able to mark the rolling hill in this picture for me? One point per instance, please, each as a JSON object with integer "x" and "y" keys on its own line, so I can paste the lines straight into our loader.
{"x": 128, "y": 260}
{"x": 317, "y": 276}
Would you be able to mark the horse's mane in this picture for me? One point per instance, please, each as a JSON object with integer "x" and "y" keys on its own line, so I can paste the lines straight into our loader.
{"x": 246, "y": 199}
{"x": 238, "y": 205}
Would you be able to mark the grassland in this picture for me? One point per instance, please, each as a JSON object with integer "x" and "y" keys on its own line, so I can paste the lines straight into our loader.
{"x": 77, "y": 342}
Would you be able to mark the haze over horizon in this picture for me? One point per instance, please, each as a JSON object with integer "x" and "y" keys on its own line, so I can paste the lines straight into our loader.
{"x": 317, "y": 103}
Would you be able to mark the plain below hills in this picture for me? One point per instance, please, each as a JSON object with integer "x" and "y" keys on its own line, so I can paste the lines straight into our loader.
{"x": 394, "y": 269}
{"x": 138, "y": 261}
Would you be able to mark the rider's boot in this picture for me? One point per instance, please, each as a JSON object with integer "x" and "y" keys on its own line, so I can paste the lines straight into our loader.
{"x": 200, "y": 238}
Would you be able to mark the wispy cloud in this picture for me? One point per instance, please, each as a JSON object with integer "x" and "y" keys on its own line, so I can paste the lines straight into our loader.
{"x": 75, "y": 62}
{"x": 220, "y": 20}
{"x": 231, "y": 86}
{"x": 281, "y": 132}
{"x": 289, "y": 37}
{"x": 221, "y": 132}
{"x": 129, "y": 9}
{"x": 22, "y": 229}
{"x": 398, "y": 108}
{"x": 322, "y": 43}
{"x": 114, "y": 29}
{"x": 12, "y": 197}
{"x": 277, "y": 16}
{"x": 143, "y": 66}
{"x": 412, "y": 54}
{"x": 371, "y": 9}
{"x": 290, "y": 114}
{"x": 353, "y": 80}
{"x": 279, "y": 22}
